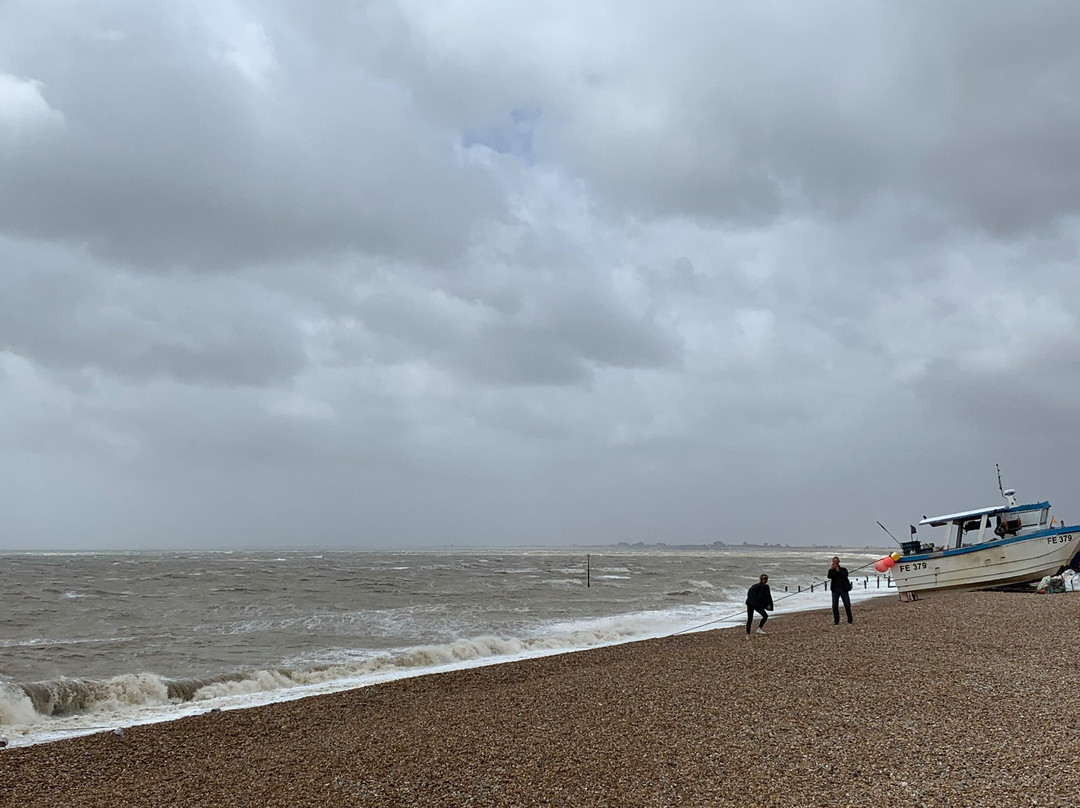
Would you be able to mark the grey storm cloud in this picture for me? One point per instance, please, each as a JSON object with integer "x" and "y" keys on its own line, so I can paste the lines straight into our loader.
{"x": 175, "y": 153}
{"x": 556, "y": 345}
{"x": 749, "y": 113}
{"x": 398, "y": 273}
{"x": 70, "y": 315}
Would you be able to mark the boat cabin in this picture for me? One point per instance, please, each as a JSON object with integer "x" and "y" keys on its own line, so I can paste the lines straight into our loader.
{"x": 984, "y": 525}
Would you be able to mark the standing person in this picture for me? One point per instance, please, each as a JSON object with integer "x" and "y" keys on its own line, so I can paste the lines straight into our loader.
{"x": 758, "y": 599}
{"x": 839, "y": 585}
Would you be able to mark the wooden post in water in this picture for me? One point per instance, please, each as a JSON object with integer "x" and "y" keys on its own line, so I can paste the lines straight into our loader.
{"x": 588, "y": 572}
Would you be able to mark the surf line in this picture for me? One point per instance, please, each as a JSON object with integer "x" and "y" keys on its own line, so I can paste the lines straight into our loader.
{"x": 785, "y": 596}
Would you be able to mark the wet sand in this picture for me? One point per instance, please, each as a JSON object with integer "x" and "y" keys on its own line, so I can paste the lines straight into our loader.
{"x": 958, "y": 700}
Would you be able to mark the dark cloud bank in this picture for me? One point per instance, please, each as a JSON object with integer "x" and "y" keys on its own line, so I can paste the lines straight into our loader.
{"x": 384, "y": 274}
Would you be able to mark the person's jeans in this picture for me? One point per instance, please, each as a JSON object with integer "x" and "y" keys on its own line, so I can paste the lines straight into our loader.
{"x": 837, "y": 596}
{"x": 750, "y": 617}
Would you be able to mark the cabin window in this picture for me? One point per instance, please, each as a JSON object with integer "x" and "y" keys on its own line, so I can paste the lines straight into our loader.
{"x": 1032, "y": 518}
{"x": 1044, "y": 514}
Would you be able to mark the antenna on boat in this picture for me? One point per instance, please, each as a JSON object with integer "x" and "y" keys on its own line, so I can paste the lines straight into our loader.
{"x": 1008, "y": 494}
{"x": 891, "y": 536}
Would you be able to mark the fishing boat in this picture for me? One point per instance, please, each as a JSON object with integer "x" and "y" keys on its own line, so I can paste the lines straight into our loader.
{"x": 985, "y": 548}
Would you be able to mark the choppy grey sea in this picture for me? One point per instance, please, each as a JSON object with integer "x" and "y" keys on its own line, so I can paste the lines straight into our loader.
{"x": 94, "y": 641}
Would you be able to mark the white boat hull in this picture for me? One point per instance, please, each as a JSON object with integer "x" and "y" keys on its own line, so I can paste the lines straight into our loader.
{"x": 998, "y": 563}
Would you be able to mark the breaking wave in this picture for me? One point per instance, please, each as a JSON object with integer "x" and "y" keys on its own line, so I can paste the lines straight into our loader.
{"x": 32, "y": 703}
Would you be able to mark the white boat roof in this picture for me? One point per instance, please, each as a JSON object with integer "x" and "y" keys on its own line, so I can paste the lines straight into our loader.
{"x": 938, "y": 521}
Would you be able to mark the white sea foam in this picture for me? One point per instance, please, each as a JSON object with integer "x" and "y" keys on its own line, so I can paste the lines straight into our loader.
{"x": 16, "y": 707}
{"x": 130, "y": 690}
{"x": 259, "y": 682}
{"x": 43, "y": 642}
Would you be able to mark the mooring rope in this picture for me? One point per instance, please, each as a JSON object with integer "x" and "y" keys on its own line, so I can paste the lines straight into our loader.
{"x": 779, "y": 598}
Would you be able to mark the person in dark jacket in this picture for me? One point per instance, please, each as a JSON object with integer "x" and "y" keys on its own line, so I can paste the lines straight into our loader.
{"x": 839, "y": 585}
{"x": 758, "y": 599}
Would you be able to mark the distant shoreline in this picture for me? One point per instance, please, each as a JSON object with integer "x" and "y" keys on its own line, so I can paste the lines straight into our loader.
{"x": 719, "y": 545}
{"x": 567, "y": 548}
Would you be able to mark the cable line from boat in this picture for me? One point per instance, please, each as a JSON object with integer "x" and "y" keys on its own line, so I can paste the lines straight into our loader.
{"x": 891, "y": 536}
{"x": 778, "y": 598}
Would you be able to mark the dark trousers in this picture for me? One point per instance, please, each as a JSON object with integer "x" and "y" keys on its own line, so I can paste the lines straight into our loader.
{"x": 837, "y": 596}
{"x": 750, "y": 617}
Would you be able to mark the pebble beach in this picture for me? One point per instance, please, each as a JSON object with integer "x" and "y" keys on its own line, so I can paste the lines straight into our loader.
{"x": 955, "y": 700}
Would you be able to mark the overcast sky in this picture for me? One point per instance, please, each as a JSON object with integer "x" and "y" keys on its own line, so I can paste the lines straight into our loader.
{"x": 478, "y": 272}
